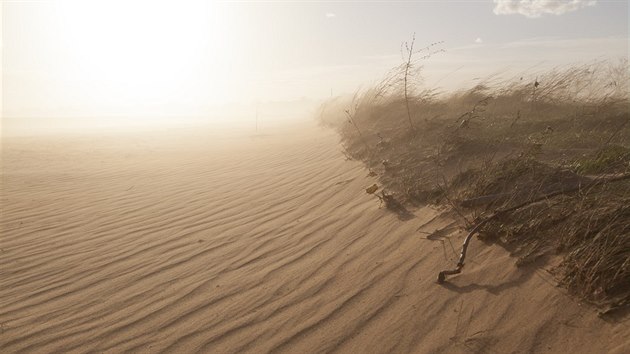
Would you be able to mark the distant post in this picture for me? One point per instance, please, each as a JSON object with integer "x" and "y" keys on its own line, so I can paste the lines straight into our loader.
{"x": 256, "y": 117}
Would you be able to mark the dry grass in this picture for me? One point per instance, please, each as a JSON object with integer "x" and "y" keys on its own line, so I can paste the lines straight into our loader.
{"x": 504, "y": 142}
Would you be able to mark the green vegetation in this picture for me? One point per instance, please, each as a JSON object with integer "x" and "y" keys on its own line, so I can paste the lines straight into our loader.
{"x": 608, "y": 159}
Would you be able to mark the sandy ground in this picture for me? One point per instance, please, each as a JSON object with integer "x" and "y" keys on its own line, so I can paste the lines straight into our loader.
{"x": 208, "y": 242}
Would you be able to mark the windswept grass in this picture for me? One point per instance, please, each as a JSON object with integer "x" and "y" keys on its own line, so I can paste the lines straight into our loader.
{"x": 502, "y": 143}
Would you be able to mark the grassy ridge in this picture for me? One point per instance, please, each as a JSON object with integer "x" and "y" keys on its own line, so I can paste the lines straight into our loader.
{"x": 502, "y": 143}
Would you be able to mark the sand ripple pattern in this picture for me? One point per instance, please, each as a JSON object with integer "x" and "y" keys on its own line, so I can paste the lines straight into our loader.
{"x": 267, "y": 244}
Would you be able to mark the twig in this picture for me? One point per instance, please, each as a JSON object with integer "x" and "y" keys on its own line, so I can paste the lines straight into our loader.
{"x": 407, "y": 67}
{"x": 460, "y": 264}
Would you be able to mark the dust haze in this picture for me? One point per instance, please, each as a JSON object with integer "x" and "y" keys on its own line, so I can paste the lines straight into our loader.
{"x": 302, "y": 177}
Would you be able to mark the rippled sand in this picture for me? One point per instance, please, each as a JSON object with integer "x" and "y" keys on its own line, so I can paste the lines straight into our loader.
{"x": 227, "y": 243}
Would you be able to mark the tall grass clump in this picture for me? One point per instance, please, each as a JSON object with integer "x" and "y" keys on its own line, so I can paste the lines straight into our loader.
{"x": 503, "y": 143}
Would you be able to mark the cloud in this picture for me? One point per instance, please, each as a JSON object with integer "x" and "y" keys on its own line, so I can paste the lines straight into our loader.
{"x": 478, "y": 40}
{"x": 536, "y": 8}
{"x": 330, "y": 15}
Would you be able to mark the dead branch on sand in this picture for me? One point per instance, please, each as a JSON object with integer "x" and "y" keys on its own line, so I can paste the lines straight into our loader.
{"x": 460, "y": 263}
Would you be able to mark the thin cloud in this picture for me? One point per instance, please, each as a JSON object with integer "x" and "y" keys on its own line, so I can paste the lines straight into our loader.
{"x": 557, "y": 42}
{"x": 537, "y": 8}
{"x": 330, "y": 15}
{"x": 478, "y": 40}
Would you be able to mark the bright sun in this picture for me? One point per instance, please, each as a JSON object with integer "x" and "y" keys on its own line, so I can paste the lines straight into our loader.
{"x": 145, "y": 50}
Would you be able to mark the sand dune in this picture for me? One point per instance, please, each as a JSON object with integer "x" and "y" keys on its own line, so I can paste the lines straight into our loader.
{"x": 189, "y": 242}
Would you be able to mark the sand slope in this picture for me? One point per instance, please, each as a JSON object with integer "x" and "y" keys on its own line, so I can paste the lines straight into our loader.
{"x": 202, "y": 242}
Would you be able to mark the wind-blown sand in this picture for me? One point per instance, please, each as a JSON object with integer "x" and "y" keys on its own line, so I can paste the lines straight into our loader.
{"x": 166, "y": 242}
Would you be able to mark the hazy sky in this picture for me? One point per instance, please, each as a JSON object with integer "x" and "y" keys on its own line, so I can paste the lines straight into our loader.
{"x": 101, "y": 58}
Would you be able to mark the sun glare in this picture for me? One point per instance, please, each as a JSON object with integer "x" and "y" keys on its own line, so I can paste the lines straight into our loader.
{"x": 145, "y": 49}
